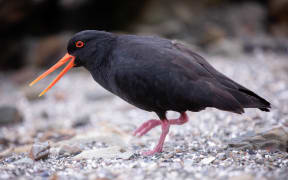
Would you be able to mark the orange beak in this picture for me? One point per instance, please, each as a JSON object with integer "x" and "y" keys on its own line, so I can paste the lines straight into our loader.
{"x": 61, "y": 62}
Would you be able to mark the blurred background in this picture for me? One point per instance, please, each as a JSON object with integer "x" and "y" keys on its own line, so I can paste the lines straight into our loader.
{"x": 35, "y": 32}
{"x": 247, "y": 40}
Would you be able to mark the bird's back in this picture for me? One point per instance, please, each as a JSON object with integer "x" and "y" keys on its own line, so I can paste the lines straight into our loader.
{"x": 156, "y": 74}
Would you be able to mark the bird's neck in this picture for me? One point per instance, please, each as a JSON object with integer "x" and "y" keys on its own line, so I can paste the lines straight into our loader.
{"x": 99, "y": 57}
{"x": 100, "y": 66}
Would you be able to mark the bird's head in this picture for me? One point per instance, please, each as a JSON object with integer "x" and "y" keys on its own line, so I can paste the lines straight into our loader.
{"x": 83, "y": 48}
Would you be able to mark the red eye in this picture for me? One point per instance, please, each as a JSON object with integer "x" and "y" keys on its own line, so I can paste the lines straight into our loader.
{"x": 79, "y": 44}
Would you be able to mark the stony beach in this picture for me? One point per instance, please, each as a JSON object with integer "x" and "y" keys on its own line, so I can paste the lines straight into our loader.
{"x": 80, "y": 131}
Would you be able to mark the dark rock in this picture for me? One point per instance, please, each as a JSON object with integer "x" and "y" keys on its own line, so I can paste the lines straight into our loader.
{"x": 251, "y": 152}
{"x": 81, "y": 121}
{"x": 44, "y": 115}
{"x": 40, "y": 151}
{"x": 272, "y": 140}
{"x": 9, "y": 115}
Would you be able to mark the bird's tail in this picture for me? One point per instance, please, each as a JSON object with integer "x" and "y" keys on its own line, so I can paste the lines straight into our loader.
{"x": 249, "y": 99}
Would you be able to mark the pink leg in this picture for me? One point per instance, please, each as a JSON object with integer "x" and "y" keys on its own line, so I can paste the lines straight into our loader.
{"x": 181, "y": 120}
{"x": 165, "y": 130}
{"x": 147, "y": 126}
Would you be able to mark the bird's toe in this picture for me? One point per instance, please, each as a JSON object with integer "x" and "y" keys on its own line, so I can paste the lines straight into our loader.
{"x": 146, "y": 127}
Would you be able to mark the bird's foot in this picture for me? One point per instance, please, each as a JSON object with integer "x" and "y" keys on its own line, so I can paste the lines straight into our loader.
{"x": 147, "y": 126}
{"x": 165, "y": 130}
{"x": 151, "y": 152}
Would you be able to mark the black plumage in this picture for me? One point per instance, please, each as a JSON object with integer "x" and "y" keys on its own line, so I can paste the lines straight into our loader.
{"x": 158, "y": 75}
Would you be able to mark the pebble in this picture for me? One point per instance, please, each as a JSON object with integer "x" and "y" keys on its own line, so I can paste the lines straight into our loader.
{"x": 40, "y": 150}
{"x": 67, "y": 150}
{"x": 81, "y": 121}
{"x": 207, "y": 160}
{"x": 274, "y": 139}
{"x": 221, "y": 156}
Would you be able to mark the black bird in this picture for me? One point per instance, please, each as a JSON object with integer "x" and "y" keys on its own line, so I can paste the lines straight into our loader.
{"x": 155, "y": 74}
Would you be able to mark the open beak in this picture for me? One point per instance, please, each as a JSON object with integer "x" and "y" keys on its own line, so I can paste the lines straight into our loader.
{"x": 61, "y": 62}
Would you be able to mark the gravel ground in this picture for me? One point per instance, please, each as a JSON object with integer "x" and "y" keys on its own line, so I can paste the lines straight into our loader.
{"x": 80, "y": 131}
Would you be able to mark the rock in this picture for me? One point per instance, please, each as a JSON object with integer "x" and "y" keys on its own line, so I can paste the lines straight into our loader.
{"x": 81, "y": 121}
{"x": 32, "y": 94}
{"x": 9, "y": 115}
{"x": 221, "y": 156}
{"x": 272, "y": 140}
{"x": 44, "y": 114}
{"x": 242, "y": 177}
{"x": 207, "y": 160}
{"x": 40, "y": 151}
{"x": 67, "y": 150}
{"x": 110, "y": 152}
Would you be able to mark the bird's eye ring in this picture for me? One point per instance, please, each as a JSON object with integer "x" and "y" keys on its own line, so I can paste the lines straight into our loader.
{"x": 79, "y": 44}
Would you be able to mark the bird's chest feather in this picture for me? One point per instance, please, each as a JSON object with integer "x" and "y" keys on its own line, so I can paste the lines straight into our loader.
{"x": 102, "y": 77}
{"x": 140, "y": 87}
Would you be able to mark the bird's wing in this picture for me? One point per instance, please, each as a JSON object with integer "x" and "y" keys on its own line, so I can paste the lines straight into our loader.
{"x": 245, "y": 96}
{"x": 158, "y": 74}
{"x": 205, "y": 65}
